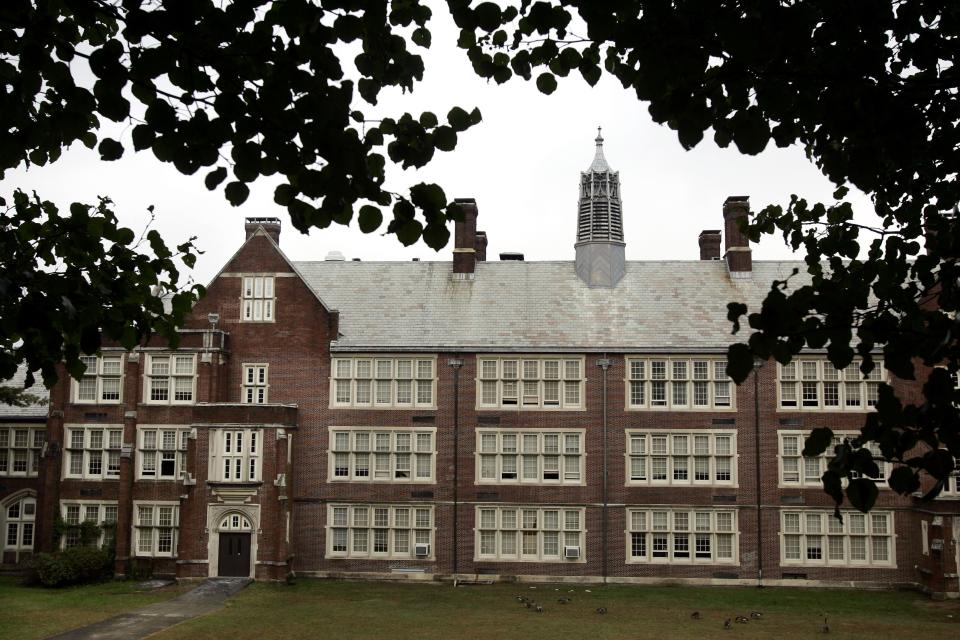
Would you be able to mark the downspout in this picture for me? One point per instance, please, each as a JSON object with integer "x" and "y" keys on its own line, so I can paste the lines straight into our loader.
{"x": 757, "y": 364}
{"x": 604, "y": 364}
{"x": 456, "y": 363}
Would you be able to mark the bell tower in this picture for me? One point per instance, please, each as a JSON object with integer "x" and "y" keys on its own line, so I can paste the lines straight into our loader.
{"x": 600, "y": 247}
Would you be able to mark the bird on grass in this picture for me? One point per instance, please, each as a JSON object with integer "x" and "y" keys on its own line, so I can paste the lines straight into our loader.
{"x": 563, "y": 600}
{"x": 826, "y": 627}
{"x": 695, "y": 615}
{"x": 538, "y": 609}
{"x": 756, "y": 615}
{"x": 601, "y": 609}
{"x": 521, "y": 599}
{"x": 728, "y": 624}
{"x": 742, "y": 619}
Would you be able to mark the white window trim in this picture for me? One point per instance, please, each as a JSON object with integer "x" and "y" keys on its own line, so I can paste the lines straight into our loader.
{"x": 99, "y": 376}
{"x": 217, "y": 445}
{"x": 180, "y": 457}
{"x": 21, "y": 498}
{"x": 691, "y": 531}
{"x": 253, "y": 298}
{"x": 332, "y": 451}
{"x": 135, "y": 528}
{"x": 171, "y": 377}
{"x": 372, "y": 358}
{"x": 540, "y": 379}
{"x": 647, "y": 379}
{"x": 822, "y": 363}
{"x": 370, "y": 554}
{"x": 825, "y": 561}
{"x": 824, "y": 458}
{"x": 539, "y": 557}
{"x": 244, "y": 386}
{"x": 32, "y": 452}
{"x": 101, "y": 511}
{"x": 540, "y": 454}
{"x": 734, "y": 456}
{"x": 104, "y": 451}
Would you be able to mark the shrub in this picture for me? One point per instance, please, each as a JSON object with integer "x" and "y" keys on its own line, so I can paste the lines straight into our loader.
{"x": 76, "y": 565}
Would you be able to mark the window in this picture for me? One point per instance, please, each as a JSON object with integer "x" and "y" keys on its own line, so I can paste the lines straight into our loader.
{"x": 383, "y": 382}
{"x": 235, "y": 522}
{"x": 951, "y": 488}
{"x": 814, "y": 384}
{"x": 810, "y": 537}
{"x": 155, "y": 528}
{"x": 162, "y": 452}
{"x": 76, "y": 512}
{"x": 20, "y": 516}
{"x": 379, "y": 531}
{"x": 384, "y": 454}
{"x": 254, "y": 384}
{"x": 535, "y": 457}
{"x": 796, "y": 470}
{"x": 522, "y": 533}
{"x": 258, "y": 299}
{"x": 92, "y": 452}
{"x": 688, "y": 536}
{"x": 682, "y": 458}
{"x": 678, "y": 383}
{"x": 171, "y": 379}
{"x": 526, "y": 382}
{"x": 20, "y": 447}
{"x": 235, "y": 455}
{"x": 101, "y": 382}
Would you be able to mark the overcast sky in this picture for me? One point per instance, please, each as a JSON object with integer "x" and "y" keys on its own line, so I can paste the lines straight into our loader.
{"x": 521, "y": 164}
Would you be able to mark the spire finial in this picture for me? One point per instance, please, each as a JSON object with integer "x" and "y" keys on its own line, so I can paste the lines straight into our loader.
{"x": 599, "y": 162}
{"x": 599, "y": 139}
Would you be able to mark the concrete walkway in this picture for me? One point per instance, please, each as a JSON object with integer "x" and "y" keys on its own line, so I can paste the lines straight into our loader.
{"x": 209, "y": 596}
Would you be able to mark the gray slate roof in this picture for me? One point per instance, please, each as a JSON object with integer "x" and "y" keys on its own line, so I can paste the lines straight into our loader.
{"x": 9, "y": 413}
{"x": 662, "y": 306}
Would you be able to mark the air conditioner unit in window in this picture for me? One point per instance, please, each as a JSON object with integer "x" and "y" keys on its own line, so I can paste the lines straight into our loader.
{"x": 421, "y": 550}
{"x": 571, "y": 553}
{"x": 937, "y": 521}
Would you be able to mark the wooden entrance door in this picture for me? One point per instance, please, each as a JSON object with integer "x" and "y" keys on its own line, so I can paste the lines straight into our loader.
{"x": 234, "y": 555}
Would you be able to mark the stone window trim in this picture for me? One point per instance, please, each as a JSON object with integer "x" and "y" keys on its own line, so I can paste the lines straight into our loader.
{"x": 812, "y": 383}
{"x": 673, "y": 457}
{"x": 161, "y": 452}
{"x": 383, "y": 381}
{"x": 529, "y": 533}
{"x": 155, "y": 528}
{"x": 20, "y": 449}
{"x": 379, "y": 531}
{"x": 531, "y": 382}
{"x": 678, "y": 383}
{"x": 254, "y": 384}
{"x": 75, "y": 512}
{"x": 795, "y": 470}
{"x": 170, "y": 378}
{"x": 102, "y": 382}
{"x": 813, "y": 537}
{"x": 530, "y": 456}
{"x": 258, "y": 298}
{"x": 390, "y": 455}
{"x": 92, "y": 451}
{"x": 236, "y": 454}
{"x": 684, "y": 535}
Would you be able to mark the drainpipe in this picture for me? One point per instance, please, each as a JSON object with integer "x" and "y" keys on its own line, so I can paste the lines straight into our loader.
{"x": 604, "y": 364}
{"x": 757, "y": 364}
{"x": 456, "y": 363}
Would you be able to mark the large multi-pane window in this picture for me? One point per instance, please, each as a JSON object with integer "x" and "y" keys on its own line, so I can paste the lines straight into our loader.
{"x": 383, "y": 382}
{"x": 678, "y": 383}
{"x": 380, "y": 531}
{"x": 530, "y": 382}
{"x": 797, "y": 470}
{"x": 92, "y": 451}
{"x": 101, "y": 382}
{"x": 171, "y": 379}
{"x": 690, "y": 457}
{"x": 235, "y": 455}
{"x": 528, "y": 456}
{"x": 382, "y": 454}
{"x": 20, "y": 447}
{"x": 19, "y": 517}
{"x": 815, "y": 384}
{"x": 257, "y": 304}
{"x": 155, "y": 528}
{"x": 529, "y": 533}
{"x": 254, "y": 389}
{"x": 809, "y": 537}
{"x": 162, "y": 452}
{"x": 77, "y": 512}
{"x": 682, "y": 535}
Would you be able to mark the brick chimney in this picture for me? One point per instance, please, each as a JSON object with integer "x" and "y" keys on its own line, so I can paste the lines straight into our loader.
{"x": 270, "y": 225}
{"x": 481, "y": 246}
{"x": 737, "y": 248}
{"x": 465, "y": 240}
{"x": 710, "y": 244}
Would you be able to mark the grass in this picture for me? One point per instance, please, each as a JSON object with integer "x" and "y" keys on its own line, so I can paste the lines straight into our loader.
{"x": 35, "y": 612}
{"x": 345, "y": 610}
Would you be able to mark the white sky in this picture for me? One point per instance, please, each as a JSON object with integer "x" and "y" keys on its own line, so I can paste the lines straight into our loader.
{"x": 521, "y": 164}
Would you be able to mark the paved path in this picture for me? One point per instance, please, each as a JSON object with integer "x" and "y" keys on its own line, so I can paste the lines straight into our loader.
{"x": 209, "y": 596}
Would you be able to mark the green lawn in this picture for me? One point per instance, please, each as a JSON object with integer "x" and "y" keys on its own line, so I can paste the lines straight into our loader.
{"x": 344, "y": 610}
{"x": 34, "y": 612}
